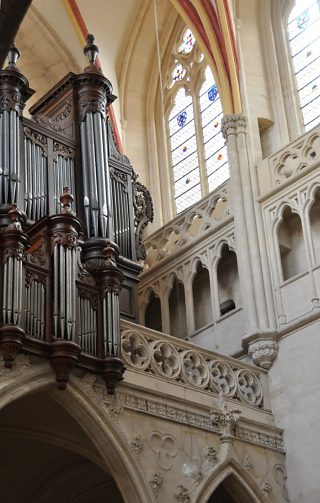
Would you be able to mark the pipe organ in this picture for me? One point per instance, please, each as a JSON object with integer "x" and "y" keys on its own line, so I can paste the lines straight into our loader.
{"x": 72, "y": 215}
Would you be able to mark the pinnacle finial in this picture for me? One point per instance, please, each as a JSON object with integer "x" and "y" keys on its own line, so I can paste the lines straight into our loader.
{"x": 66, "y": 200}
{"x": 13, "y": 56}
{"x": 91, "y": 50}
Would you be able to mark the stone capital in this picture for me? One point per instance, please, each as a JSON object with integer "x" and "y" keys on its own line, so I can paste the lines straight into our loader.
{"x": 233, "y": 125}
{"x": 262, "y": 348}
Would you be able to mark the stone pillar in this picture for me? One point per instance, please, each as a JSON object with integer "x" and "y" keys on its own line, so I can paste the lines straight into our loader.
{"x": 251, "y": 273}
{"x": 232, "y": 126}
{"x": 14, "y": 92}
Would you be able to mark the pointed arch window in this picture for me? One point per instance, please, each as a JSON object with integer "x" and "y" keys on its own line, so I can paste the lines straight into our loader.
{"x": 304, "y": 40}
{"x": 198, "y": 155}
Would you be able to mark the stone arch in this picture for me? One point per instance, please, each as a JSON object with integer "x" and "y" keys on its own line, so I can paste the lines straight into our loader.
{"x": 231, "y": 472}
{"x": 152, "y": 313}
{"x": 290, "y": 237}
{"x": 79, "y": 403}
{"x": 226, "y": 267}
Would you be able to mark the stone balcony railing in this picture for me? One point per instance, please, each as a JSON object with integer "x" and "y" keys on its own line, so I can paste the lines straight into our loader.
{"x": 176, "y": 361}
{"x": 195, "y": 239}
{"x": 290, "y": 163}
{"x": 289, "y": 189}
{"x": 194, "y": 224}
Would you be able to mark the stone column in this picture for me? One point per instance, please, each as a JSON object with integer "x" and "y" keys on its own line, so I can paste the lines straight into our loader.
{"x": 251, "y": 274}
{"x": 232, "y": 126}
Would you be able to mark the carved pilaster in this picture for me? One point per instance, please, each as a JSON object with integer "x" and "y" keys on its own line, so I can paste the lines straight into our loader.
{"x": 65, "y": 228}
{"x": 13, "y": 243}
{"x": 94, "y": 94}
{"x": 14, "y": 91}
{"x": 99, "y": 257}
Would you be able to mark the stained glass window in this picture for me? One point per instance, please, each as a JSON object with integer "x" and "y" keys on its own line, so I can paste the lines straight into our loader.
{"x": 198, "y": 155}
{"x": 184, "y": 156}
{"x": 214, "y": 144}
{"x": 188, "y": 42}
{"x": 304, "y": 38}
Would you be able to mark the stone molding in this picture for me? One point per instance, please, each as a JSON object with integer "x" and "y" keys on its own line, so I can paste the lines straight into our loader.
{"x": 199, "y": 420}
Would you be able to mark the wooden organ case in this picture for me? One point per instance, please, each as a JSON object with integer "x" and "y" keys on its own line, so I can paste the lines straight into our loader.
{"x": 72, "y": 215}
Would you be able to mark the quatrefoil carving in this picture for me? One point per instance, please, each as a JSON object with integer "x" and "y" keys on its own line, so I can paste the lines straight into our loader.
{"x": 165, "y": 447}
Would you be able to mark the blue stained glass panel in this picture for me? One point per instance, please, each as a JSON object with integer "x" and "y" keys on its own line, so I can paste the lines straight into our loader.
{"x": 214, "y": 143}
{"x": 304, "y": 37}
{"x": 182, "y": 118}
{"x": 184, "y": 155}
{"x": 213, "y": 93}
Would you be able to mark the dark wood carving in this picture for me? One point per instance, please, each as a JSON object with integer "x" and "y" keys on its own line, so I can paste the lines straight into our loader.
{"x": 73, "y": 252}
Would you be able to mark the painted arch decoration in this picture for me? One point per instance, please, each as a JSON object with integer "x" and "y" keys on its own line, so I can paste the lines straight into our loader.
{"x": 211, "y": 22}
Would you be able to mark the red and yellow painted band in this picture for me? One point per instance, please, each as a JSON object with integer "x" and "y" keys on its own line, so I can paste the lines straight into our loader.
{"x": 214, "y": 32}
{"x": 82, "y": 32}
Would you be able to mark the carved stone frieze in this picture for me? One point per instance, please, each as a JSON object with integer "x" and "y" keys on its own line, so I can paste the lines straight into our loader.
{"x": 199, "y": 420}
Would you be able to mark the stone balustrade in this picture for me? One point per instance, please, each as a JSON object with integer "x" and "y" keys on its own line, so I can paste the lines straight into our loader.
{"x": 174, "y": 360}
{"x": 288, "y": 164}
{"x": 188, "y": 228}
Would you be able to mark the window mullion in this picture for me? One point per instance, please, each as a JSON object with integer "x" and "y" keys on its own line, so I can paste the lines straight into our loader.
{"x": 200, "y": 144}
